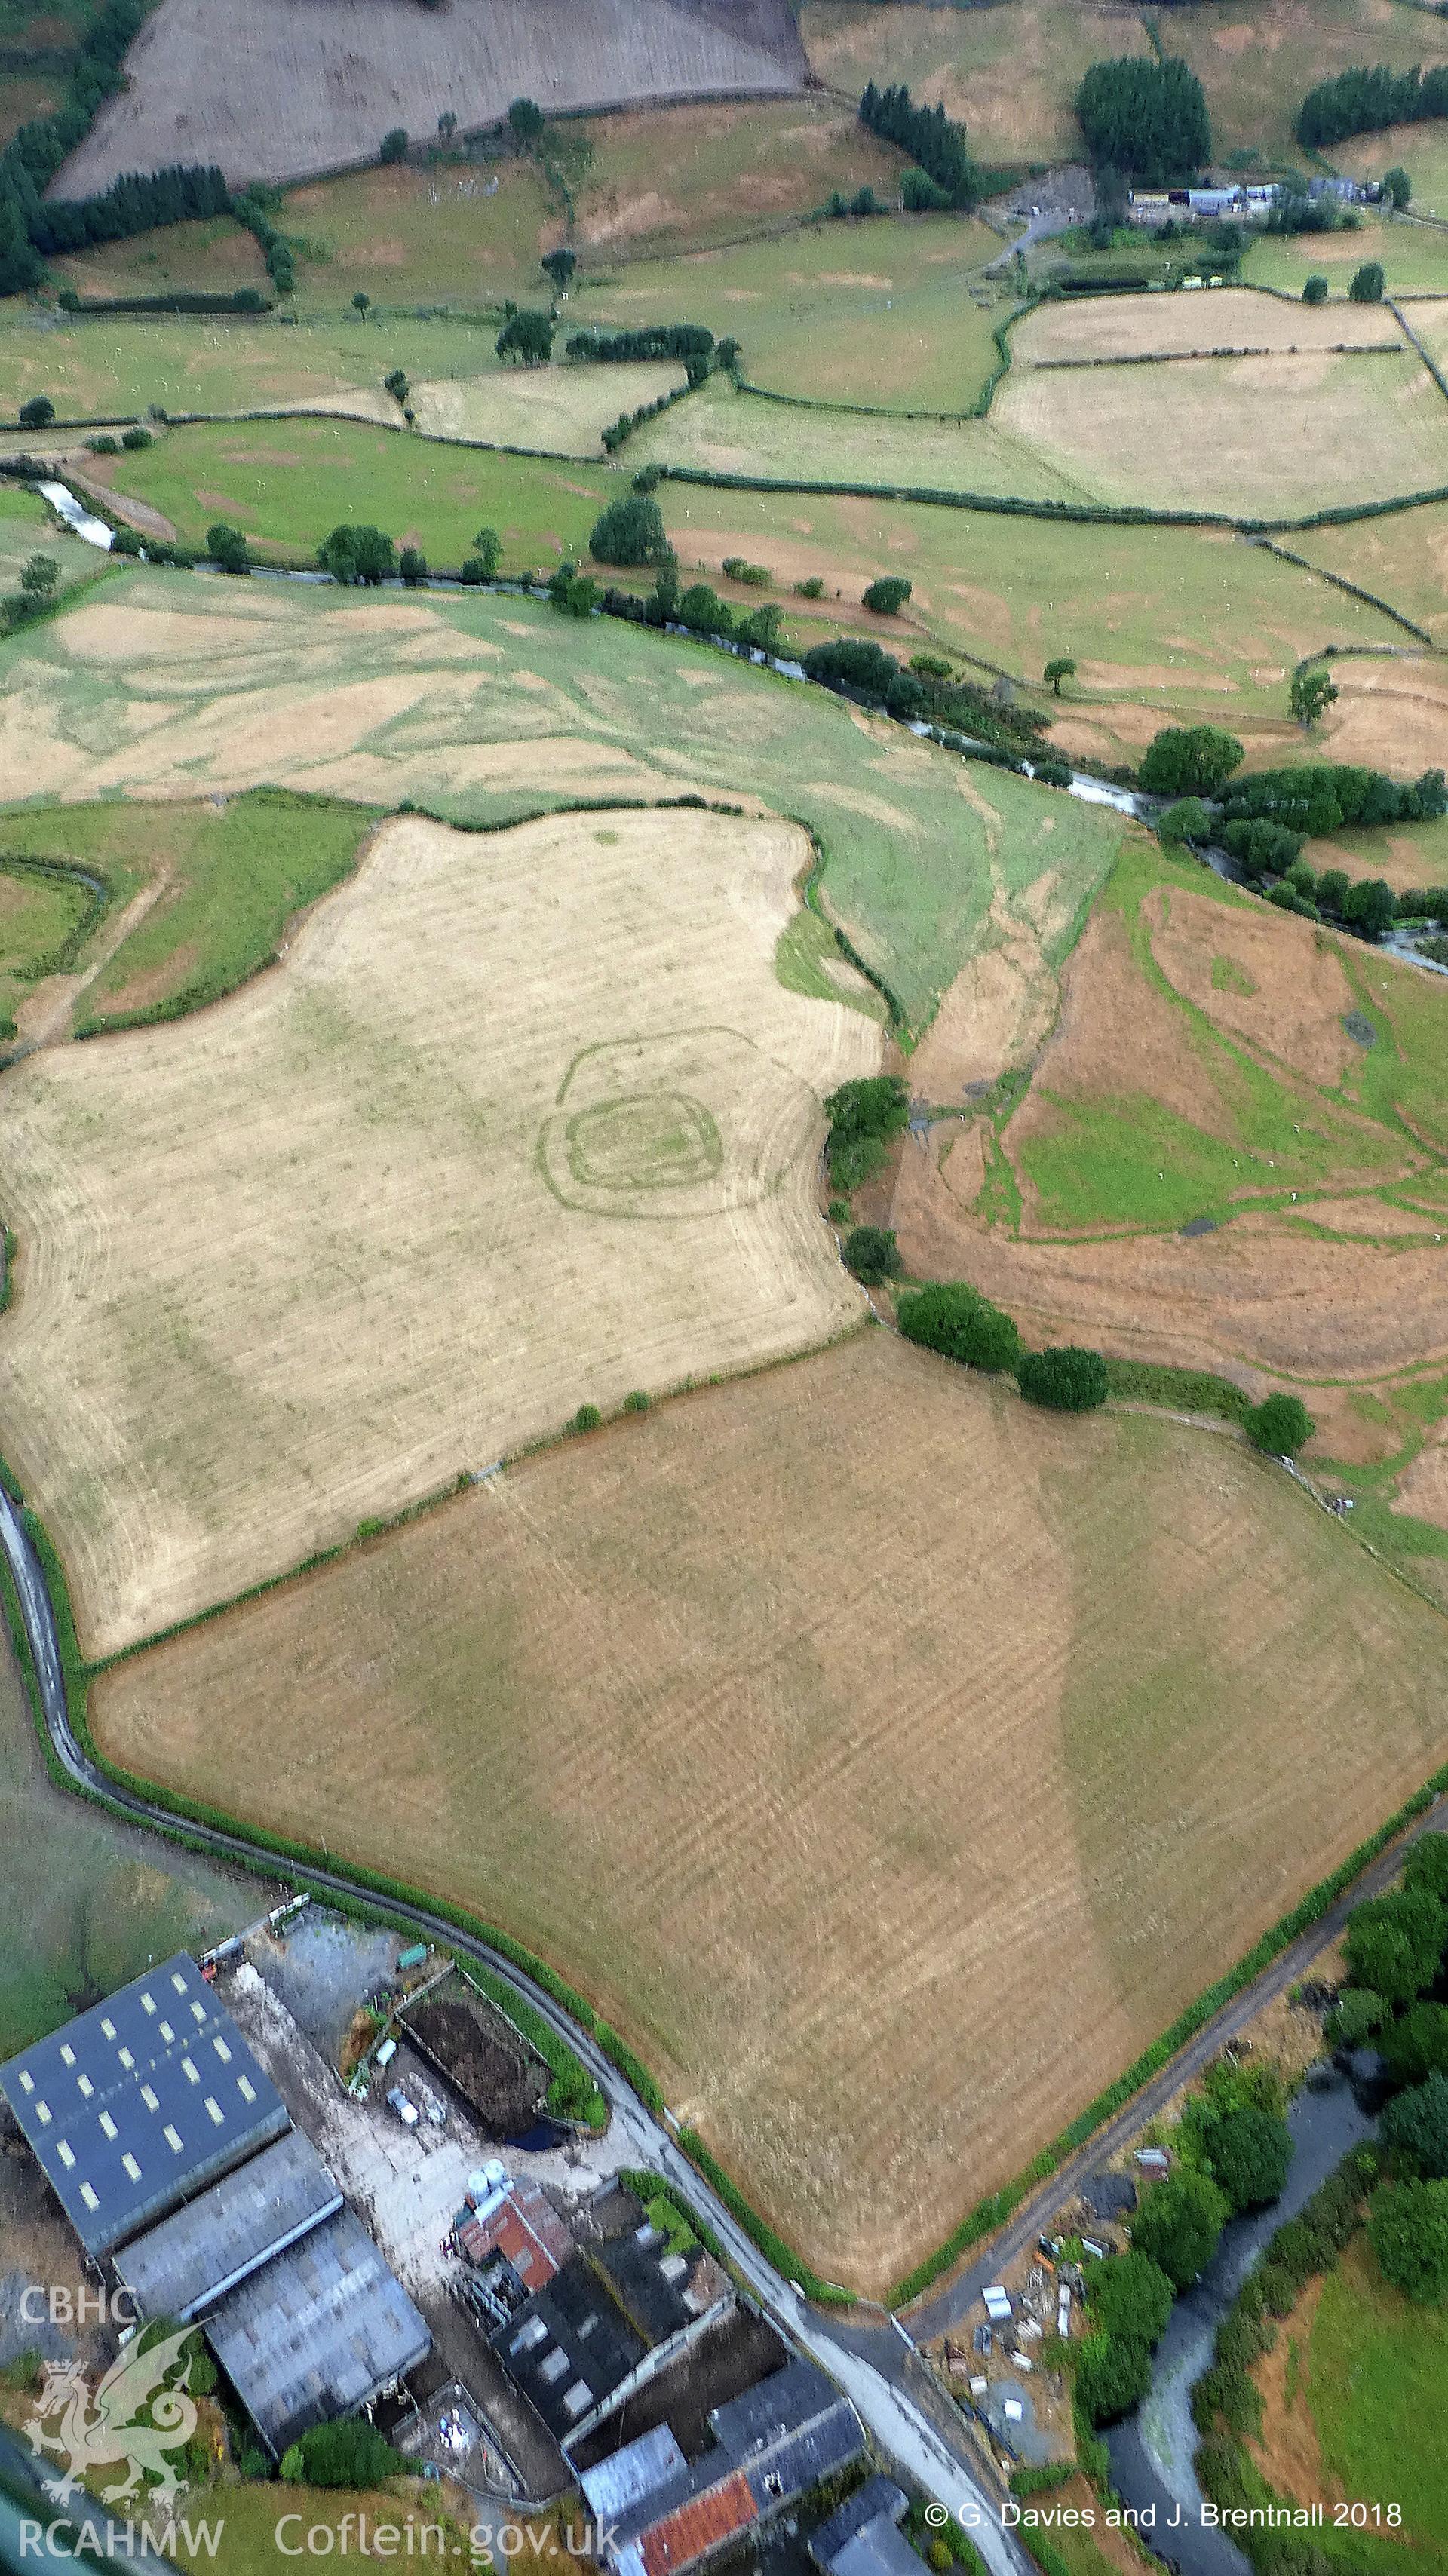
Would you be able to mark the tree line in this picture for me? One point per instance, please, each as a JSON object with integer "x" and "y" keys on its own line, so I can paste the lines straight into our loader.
{"x": 652, "y": 340}
{"x": 934, "y": 141}
{"x": 1365, "y": 101}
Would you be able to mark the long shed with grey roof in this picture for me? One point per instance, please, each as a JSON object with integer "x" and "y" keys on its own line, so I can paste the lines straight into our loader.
{"x": 321, "y": 2330}
{"x": 193, "y": 2258}
{"x": 140, "y": 2103}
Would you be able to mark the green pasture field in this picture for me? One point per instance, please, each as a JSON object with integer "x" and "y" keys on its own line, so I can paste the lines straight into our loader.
{"x": 1257, "y": 62}
{"x": 231, "y": 875}
{"x": 38, "y": 916}
{"x": 1010, "y": 72}
{"x": 728, "y": 433}
{"x": 1093, "y": 1166}
{"x": 1180, "y": 618}
{"x": 108, "y": 366}
{"x": 487, "y": 709}
{"x": 286, "y": 483}
{"x": 1414, "y": 258}
{"x": 1402, "y": 557}
{"x": 1377, "y": 2385}
{"x": 215, "y": 254}
{"x": 98, "y": 1902}
{"x": 678, "y": 177}
{"x": 870, "y": 311}
{"x": 1421, "y": 150}
{"x": 28, "y": 528}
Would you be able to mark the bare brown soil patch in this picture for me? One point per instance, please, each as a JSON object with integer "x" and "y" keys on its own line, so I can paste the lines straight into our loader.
{"x": 520, "y": 1122}
{"x": 1301, "y": 993}
{"x": 781, "y": 1734}
{"x": 1257, "y": 1299}
{"x": 1423, "y": 1489}
{"x": 1287, "y": 2449}
{"x": 1390, "y": 714}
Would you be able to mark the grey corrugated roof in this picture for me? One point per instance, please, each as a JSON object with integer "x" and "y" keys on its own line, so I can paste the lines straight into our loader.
{"x": 862, "y": 2538}
{"x": 639, "y": 2471}
{"x": 134, "y": 2106}
{"x": 784, "y": 2403}
{"x": 211, "y": 2245}
{"x": 316, "y": 2333}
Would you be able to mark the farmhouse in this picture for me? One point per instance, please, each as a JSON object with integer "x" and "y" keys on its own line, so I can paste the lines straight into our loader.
{"x": 172, "y": 2153}
{"x": 605, "y": 2322}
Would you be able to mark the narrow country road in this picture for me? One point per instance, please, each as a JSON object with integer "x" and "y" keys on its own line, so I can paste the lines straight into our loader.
{"x": 874, "y": 2367}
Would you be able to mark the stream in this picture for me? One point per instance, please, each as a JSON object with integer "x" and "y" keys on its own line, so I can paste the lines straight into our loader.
{"x": 1151, "y": 2451}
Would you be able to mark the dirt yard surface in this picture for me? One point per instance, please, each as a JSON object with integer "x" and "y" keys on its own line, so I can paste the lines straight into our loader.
{"x": 562, "y": 410}
{"x": 530, "y": 1121}
{"x": 1256, "y": 437}
{"x": 771, "y": 1666}
{"x": 1129, "y": 326}
{"x": 485, "y": 2060}
{"x": 274, "y": 95}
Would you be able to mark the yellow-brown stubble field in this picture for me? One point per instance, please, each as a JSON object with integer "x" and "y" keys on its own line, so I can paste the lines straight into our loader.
{"x": 523, "y": 1120}
{"x": 889, "y": 1760}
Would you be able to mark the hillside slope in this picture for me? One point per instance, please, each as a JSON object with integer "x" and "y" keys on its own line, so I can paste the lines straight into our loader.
{"x": 281, "y": 89}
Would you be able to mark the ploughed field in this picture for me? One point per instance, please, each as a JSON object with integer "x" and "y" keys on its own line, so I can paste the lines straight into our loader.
{"x": 890, "y": 1761}
{"x": 522, "y": 1121}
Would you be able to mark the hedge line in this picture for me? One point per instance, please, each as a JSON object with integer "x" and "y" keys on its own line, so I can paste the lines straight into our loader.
{"x": 1430, "y": 362}
{"x": 1194, "y": 357}
{"x": 1186, "y": 1390}
{"x": 771, "y": 2245}
{"x": 990, "y": 2214}
{"x": 1354, "y": 590}
{"x": 58, "y": 960}
{"x": 1087, "y": 513}
{"x": 243, "y": 300}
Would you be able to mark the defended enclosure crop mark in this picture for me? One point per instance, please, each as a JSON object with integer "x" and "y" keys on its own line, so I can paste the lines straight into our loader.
{"x": 634, "y": 1133}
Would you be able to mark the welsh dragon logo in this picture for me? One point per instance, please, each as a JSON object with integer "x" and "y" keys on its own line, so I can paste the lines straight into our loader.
{"x": 139, "y": 2413}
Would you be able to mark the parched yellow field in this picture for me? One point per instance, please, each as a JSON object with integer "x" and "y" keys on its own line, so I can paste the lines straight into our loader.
{"x": 1257, "y": 437}
{"x": 732, "y": 433}
{"x": 522, "y": 1121}
{"x": 1227, "y": 317}
{"x": 890, "y": 1760}
{"x": 562, "y": 410}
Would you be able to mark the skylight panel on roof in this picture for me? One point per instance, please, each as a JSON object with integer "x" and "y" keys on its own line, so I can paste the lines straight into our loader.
{"x": 127, "y": 2060}
{"x": 108, "y": 2027}
{"x": 167, "y": 2033}
{"x": 108, "y": 2124}
{"x": 148, "y": 2003}
{"x": 67, "y": 2053}
{"x": 215, "y": 2109}
{"x": 42, "y": 2111}
{"x": 65, "y": 2153}
{"x": 246, "y": 2088}
{"x": 91, "y": 2199}
{"x": 198, "y": 2012}
{"x": 179, "y": 1982}
{"x": 172, "y": 2138}
{"x": 149, "y": 2098}
{"x": 131, "y": 2166}
{"x": 85, "y": 2086}
{"x": 189, "y": 2071}
{"x": 222, "y": 2051}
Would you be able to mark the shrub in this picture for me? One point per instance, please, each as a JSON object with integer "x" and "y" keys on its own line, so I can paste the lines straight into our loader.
{"x": 104, "y": 445}
{"x": 648, "y": 478}
{"x": 1427, "y": 1865}
{"x": 126, "y": 541}
{"x": 1315, "y": 291}
{"x": 863, "y": 1115}
{"x": 293, "y": 2468}
{"x": 1397, "y": 187}
{"x": 1187, "y": 820}
{"x": 754, "y": 576}
{"x": 703, "y": 612}
{"x": 1130, "y": 2297}
{"x": 349, "y": 2453}
{"x": 630, "y": 531}
{"x": 957, "y": 1321}
{"x": 1061, "y": 668}
{"x": 397, "y": 385}
{"x": 1178, "y": 2224}
{"x": 1280, "y": 1425}
{"x": 1111, "y": 2377}
{"x": 920, "y": 194}
{"x": 1249, "y": 2153}
{"x": 1190, "y": 760}
{"x": 528, "y": 337}
{"x": 636, "y": 1402}
{"x": 587, "y": 1418}
{"x": 1067, "y": 1380}
{"x": 888, "y": 595}
{"x": 1408, "y": 2228}
{"x": 1368, "y": 283}
{"x": 525, "y": 118}
{"x": 412, "y": 564}
{"x": 1395, "y": 1943}
{"x": 488, "y": 551}
{"x": 813, "y": 588}
{"x": 1414, "y": 2127}
{"x": 1370, "y": 906}
{"x": 935, "y": 143}
{"x": 394, "y": 145}
{"x": 228, "y": 548}
{"x": 1417, "y": 2046}
{"x": 357, "y": 555}
{"x": 872, "y": 1254}
{"x": 1357, "y": 2013}
{"x": 134, "y": 438}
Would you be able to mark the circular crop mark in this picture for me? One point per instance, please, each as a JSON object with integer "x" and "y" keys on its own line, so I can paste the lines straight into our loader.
{"x": 649, "y": 1140}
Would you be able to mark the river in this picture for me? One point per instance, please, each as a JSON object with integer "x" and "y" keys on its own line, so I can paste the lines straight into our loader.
{"x": 1151, "y": 2452}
